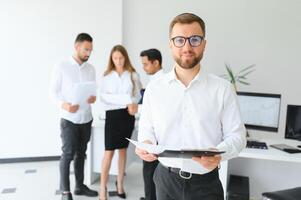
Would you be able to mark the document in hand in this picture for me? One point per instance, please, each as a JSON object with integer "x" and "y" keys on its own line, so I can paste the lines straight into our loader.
{"x": 150, "y": 148}
{"x": 82, "y": 92}
{"x": 162, "y": 151}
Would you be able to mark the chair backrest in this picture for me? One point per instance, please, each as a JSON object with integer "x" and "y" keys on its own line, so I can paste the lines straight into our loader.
{"x": 289, "y": 194}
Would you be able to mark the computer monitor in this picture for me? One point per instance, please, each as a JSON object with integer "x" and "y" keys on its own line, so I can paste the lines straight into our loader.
{"x": 293, "y": 122}
{"x": 260, "y": 111}
{"x": 142, "y": 94}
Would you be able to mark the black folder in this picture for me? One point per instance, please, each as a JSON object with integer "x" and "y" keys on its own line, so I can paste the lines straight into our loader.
{"x": 189, "y": 153}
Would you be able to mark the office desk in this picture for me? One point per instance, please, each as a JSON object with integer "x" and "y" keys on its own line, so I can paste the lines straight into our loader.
{"x": 272, "y": 153}
{"x": 268, "y": 170}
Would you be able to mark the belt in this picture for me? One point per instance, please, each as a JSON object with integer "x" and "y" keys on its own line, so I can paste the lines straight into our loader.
{"x": 182, "y": 174}
{"x": 188, "y": 175}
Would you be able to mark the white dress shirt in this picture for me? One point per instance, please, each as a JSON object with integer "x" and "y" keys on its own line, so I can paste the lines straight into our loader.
{"x": 203, "y": 115}
{"x": 156, "y": 75}
{"x": 116, "y": 92}
{"x": 65, "y": 76}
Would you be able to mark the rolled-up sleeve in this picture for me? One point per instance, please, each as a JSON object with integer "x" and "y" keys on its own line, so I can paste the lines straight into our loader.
{"x": 137, "y": 95}
{"x": 234, "y": 132}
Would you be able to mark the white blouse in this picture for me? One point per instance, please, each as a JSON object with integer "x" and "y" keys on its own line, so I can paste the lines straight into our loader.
{"x": 116, "y": 92}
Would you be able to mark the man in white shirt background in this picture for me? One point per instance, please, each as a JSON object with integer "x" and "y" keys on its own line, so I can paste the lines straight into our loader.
{"x": 152, "y": 64}
{"x": 75, "y": 121}
{"x": 190, "y": 109}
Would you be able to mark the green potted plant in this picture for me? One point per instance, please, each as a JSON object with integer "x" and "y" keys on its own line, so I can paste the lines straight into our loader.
{"x": 240, "y": 77}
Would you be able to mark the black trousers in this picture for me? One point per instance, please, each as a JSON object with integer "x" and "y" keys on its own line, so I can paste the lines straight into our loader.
{"x": 148, "y": 174}
{"x": 170, "y": 186}
{"x": 74, "y": 145}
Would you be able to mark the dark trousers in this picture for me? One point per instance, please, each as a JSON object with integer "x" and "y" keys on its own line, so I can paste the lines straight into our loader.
{"x": 74, "y": 145}
{"x": 170, "y": 186}
{"x": 148, "y": 174}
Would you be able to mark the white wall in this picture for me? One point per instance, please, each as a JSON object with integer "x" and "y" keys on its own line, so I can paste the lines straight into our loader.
{"x": 34, "y": 36}
{"x": 239, "y": 32}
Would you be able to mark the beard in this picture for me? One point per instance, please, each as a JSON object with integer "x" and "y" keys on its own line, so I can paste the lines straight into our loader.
{"x": 84, "y": 59}
{"x": 189, "y": 64}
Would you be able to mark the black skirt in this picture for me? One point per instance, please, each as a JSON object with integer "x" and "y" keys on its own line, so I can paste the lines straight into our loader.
{"x": 119, "y": 125}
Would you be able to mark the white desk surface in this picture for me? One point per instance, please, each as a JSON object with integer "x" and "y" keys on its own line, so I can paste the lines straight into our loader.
{"x": 272, "y": 153}
{"x": 269, "y": 154}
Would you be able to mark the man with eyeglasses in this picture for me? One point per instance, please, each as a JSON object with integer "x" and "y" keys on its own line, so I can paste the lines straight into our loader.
{"x": 190, "y": 109}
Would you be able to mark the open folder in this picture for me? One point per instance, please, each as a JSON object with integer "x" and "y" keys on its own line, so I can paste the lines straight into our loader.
{"x": 189, "y": 153}
{"x": 162, "y": 151}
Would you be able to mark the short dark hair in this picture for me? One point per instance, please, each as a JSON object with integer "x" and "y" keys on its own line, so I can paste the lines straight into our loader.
{"x": 187, "y": 18}
{"x": 152, "y": 55}
{"x": 83, "y": 37}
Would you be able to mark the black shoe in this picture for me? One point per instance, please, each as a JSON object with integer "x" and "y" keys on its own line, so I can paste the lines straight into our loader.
{"x": 122, "y": 195}
{"x": 67, "y": 196}
{"x": 84, "y": 190}
{"x": 142, "y": 198}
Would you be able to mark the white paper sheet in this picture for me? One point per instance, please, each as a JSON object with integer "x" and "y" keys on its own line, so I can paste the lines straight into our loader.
{"x": 82, "y": 92}
{"x": 150, "y": 148}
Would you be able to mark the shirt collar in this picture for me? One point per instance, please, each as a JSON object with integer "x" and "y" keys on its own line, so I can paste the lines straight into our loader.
{"x": 171, "y": 76}
{"x": 157, "y": 74}
{"x": 123, "y": 73}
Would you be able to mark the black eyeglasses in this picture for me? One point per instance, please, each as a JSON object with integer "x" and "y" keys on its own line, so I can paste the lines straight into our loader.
{"x": 194, "y": 40}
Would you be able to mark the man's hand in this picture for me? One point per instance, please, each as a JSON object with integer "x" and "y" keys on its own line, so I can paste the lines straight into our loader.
{"x": 209, "y": 162}
{"x": 144, "y": 155}
{"x": 91, "y": 99}
{"x": 132, "y": 108}
{"x": 70, "y": 108}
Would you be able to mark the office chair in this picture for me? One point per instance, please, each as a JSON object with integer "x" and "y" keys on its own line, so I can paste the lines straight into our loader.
{"x": 289, "y": 194}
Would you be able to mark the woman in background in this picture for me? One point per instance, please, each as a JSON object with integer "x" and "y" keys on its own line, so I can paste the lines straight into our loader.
{"x": 120, "y": 94}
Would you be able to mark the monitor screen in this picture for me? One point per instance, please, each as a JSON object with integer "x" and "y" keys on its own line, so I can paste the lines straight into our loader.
{"x": 142, "y": 94}
{"x": 293, "y": 122}
{"x": 260, "y": 111}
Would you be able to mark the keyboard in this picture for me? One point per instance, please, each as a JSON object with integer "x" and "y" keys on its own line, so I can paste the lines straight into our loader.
{"x": 256, "y": 145}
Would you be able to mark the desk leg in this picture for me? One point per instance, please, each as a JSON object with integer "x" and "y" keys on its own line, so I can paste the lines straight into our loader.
{"x": 223, "y": 175}
{"x": 90, "y": 176}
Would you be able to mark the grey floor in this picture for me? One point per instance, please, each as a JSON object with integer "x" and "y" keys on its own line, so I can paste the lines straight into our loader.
{"x": 40, "y": 180}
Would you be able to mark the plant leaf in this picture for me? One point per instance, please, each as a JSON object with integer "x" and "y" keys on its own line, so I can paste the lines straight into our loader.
{"x": 243, "y": 82}
{"x": 231, "y": 75}
{"x": 248, "y": 72}
{"x": 241, "y": 77}
{"x": 244, "y": 69}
